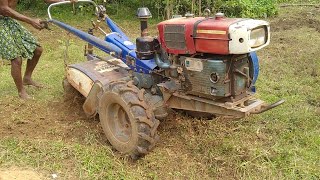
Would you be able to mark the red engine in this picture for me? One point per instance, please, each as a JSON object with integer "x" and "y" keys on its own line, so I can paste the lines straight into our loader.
{"x": 219, "y": 35}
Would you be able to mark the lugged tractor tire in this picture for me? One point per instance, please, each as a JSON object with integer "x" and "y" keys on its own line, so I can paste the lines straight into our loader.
{"x": 128, "y": 122}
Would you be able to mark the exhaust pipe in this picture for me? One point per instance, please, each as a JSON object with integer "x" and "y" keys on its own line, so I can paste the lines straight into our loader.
{"x": 145, "y": 43}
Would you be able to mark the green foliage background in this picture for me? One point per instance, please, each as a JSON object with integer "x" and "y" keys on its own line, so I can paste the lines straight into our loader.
{"x": 161, "y": 8}
{"x": 166, "y": 8}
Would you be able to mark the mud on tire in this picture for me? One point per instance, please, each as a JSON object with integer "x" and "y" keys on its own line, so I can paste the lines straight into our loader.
{"x": 127, "y": 120}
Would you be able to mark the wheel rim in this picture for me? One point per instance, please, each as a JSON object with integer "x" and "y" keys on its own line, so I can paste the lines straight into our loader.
{"x": 119, "y": 123}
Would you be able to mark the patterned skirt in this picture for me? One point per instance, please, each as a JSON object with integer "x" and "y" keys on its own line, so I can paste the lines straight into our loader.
{"x": 15, "y": 40}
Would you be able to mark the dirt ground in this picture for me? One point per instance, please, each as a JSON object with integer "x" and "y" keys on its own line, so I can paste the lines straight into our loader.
{"x": 19, "y": 174}
{"x": 47, "y": 122}
{"x": 60, "y": 120}
{"x": 60, "y": 117}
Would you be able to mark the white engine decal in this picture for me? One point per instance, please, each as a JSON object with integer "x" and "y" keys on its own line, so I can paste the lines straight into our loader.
{"x": 103, "y": 66}
{"x": 193, "y": 64}
{"x": 127, "y": 43}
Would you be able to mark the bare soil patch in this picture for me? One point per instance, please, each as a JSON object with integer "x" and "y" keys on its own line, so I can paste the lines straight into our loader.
{"x": 57, "y": 120}
{"x": 295, "y": 21}
{"x": 20, "y": 174}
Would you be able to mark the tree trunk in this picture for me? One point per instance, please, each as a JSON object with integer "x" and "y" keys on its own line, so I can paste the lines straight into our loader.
{"x": 199, "y": 7}
{"x": 168, "y": 9}
{"x": 192, "y": 6}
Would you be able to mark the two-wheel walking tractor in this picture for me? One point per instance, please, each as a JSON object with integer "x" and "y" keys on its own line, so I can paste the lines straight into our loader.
{"x": 201, "y": 65}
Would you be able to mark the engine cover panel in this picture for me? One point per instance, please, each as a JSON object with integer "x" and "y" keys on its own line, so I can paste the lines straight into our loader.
{"x": 214, "y": 78}
{"x": 200, "y": 72}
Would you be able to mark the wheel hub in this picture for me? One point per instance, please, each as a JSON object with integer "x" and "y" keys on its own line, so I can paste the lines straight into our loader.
{"x": 120, "y": 125}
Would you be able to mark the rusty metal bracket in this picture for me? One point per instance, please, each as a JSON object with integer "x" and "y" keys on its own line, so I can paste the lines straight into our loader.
{"x": 268, "y": 107}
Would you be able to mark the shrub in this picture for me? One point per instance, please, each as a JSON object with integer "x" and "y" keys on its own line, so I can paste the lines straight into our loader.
{"x": 160, "y": 8}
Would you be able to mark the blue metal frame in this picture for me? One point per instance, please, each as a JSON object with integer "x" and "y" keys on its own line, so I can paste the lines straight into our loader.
{"x": 97, "y": 42}
{"x": 255, "y": 63}
{"x": 114, "y": 28}
{"x": 116, "y": 42}
{"x": 128, "y": 49}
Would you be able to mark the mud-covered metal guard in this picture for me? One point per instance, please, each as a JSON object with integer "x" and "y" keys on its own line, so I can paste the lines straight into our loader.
{"x": 268, "y": 107}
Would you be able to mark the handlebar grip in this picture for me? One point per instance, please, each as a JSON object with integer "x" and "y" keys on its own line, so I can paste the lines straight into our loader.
{"x": 45, "y": 24}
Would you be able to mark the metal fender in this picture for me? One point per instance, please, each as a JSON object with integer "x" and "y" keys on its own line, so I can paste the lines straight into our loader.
{"x": 91, "y": 104}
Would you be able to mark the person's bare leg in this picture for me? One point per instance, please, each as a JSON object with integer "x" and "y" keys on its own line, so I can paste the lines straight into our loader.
{"x": 31, "y": 64}
{"x": 17, "y": 77}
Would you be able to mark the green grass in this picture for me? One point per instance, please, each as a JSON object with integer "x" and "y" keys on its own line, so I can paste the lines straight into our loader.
{"x": 298, "y": 1}
{"x": 53, "y": 136}
{"x": 87, "y": 162}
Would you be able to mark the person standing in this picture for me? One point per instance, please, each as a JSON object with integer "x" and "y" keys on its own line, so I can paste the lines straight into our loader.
{"x": 16, "y": 42}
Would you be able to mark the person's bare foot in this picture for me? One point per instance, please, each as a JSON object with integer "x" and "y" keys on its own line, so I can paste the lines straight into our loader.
{"x": 30, "y": 82}
{"x": 24, "y": 95}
